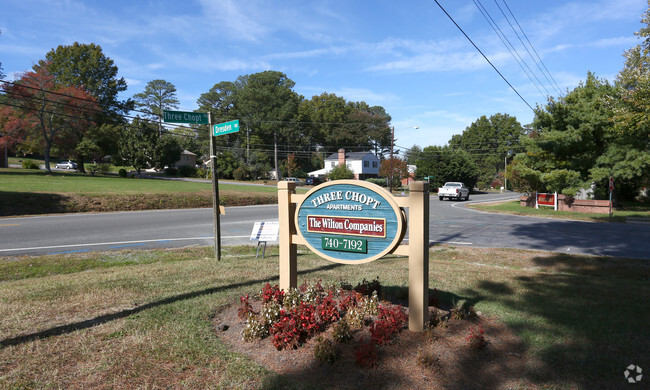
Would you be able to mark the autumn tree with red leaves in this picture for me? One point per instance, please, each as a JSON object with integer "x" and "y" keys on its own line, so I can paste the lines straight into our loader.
{"x": 42, "y": 114}
{"x": 395, "y": 169}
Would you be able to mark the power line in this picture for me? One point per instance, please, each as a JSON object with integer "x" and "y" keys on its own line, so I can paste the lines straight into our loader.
{"x": 484, "y": 56}
{"x": 553, "y": 83}
{"x": 506, "y": 42}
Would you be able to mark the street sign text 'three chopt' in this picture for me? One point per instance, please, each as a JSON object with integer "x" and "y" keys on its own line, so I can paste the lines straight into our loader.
{"x": 186, "y": 117}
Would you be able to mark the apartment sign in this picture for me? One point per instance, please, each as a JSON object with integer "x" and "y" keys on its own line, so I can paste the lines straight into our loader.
{"x": 350, "y": 221}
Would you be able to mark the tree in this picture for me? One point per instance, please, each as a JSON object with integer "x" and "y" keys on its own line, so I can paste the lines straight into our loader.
{"x": 568, "y": 137}
{"x": 443, "y": 164}
{"x": 219, "y": 101}
{"x": 141, "y": 147}
{"x": 627, "y": 158}
{"x": 412, "y": 154}
{"x": 268, "y": 105}
{"x": 49, "y": 115}
{"x": 291, "y": 164}
{"x": 86, "y": 66}
{"x": 137, "y": 143}
{"x": 489, "y": 141}
{"x": 323, "y": 117}
{"x": 340, "y": 172}
{"x": 158, "y": 95}
{"x": 395, "y": 169}
{"x": 166, "y": 152}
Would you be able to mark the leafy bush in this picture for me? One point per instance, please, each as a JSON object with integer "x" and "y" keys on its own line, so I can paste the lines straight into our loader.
{"x": 367, "y": 288}
{"x": 271, "y": 312}
{"x": 240, "y": 173}
{"x": 341, "y": 332}
{"x": 245, "y": 308}
{"x": 254, "y": 329}
{"x": 340, "y": 172}
{"x": 171, "y": 171}
{"x": 121, "y": 172}
{"x": 379, "y": 182}
{"x": 203, "y": 173}
{"x": 324, "y": 350}
{"x": 30, "y": 164}
{"x": 186, "y": 171}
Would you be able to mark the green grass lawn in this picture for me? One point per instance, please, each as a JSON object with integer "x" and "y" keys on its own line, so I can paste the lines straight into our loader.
{"x": 627, "y": 210}
{"x": 143, "y": 319}
{"x": 25, "y": 180}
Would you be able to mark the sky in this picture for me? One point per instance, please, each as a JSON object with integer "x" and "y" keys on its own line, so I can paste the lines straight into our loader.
{"x": 408, "y": 57}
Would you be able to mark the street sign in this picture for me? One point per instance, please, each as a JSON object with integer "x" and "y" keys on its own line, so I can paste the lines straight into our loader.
{"x": 225, "y": 128}
{"x": 199, "y": 118}
{"x": 611, "y": 184}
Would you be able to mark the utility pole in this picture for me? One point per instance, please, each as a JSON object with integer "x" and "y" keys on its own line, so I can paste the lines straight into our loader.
{"x": 392, "y": 143}
{"x": 505, "y": 172}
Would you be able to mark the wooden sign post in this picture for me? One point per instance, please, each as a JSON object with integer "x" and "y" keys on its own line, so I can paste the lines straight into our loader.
{"x": 354, "y": 222}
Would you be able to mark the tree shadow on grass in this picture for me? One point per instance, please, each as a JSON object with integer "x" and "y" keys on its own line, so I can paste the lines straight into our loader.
{"x": 584, "y": 324}
{"x": 28, "y": 203}
{"x": 69, "y": 328}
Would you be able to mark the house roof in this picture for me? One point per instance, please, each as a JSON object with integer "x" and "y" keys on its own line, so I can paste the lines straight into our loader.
{"x": 350, "y": 156}
{"x": 188, "y": 153}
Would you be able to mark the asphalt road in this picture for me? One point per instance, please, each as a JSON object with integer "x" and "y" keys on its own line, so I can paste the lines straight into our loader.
{"x": 450, "y": 222}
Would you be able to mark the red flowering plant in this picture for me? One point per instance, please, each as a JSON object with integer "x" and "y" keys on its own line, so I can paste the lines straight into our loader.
{"x": 476, "y": 338}
{"x": 348, "y": 299}
{"x": 272, "y": 293}
{"x": 294, "y": 327}
{"x": 326, "y": 311}
{"x": 245, "y": 308}
{"x": 366, "y": 354}
{"x": 390, "y": 323}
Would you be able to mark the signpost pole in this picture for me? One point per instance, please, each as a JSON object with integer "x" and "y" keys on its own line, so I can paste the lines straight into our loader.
{"x": 418, "y": 255}
{"x": 215, "y": 198}
{"x": 611, "y": 190}
{"x": 288, "y": 250}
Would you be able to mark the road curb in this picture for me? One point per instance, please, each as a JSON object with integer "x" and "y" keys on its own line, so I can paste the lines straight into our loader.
{"x": 637, "y": 221}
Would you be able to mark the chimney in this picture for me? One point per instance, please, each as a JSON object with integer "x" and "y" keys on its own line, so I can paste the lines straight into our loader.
{"x": 341, "y": 156}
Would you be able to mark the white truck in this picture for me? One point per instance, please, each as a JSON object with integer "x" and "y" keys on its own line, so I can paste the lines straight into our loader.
{"x": 453, "y": 190}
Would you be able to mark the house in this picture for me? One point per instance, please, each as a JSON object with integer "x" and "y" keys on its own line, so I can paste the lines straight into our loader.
{"x": 188, "y": 159}
{"x": 411, "y": 177}
{"x": 364, "y": 165}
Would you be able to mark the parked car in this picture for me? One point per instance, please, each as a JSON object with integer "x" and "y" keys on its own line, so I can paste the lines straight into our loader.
{"x": 66, "y": 165}
{"x": 313, "y": 181}
{"x": 295, "y": 180}
{"x": 453, "y": 190}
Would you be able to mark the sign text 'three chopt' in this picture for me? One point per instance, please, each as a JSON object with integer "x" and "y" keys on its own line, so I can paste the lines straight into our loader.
{"x": 352, "y": 196}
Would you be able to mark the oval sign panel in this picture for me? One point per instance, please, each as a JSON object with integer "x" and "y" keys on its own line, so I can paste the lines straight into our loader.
{"x": 350, "y": 221}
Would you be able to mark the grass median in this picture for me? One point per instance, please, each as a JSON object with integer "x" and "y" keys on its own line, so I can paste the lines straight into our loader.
{"x": 620, "y": 214}
{"x": 25, "y": 191}
{"x": 143, "y": 319}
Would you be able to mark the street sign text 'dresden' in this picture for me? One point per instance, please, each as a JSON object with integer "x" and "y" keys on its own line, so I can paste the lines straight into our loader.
{"x": 225, "y": 128}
